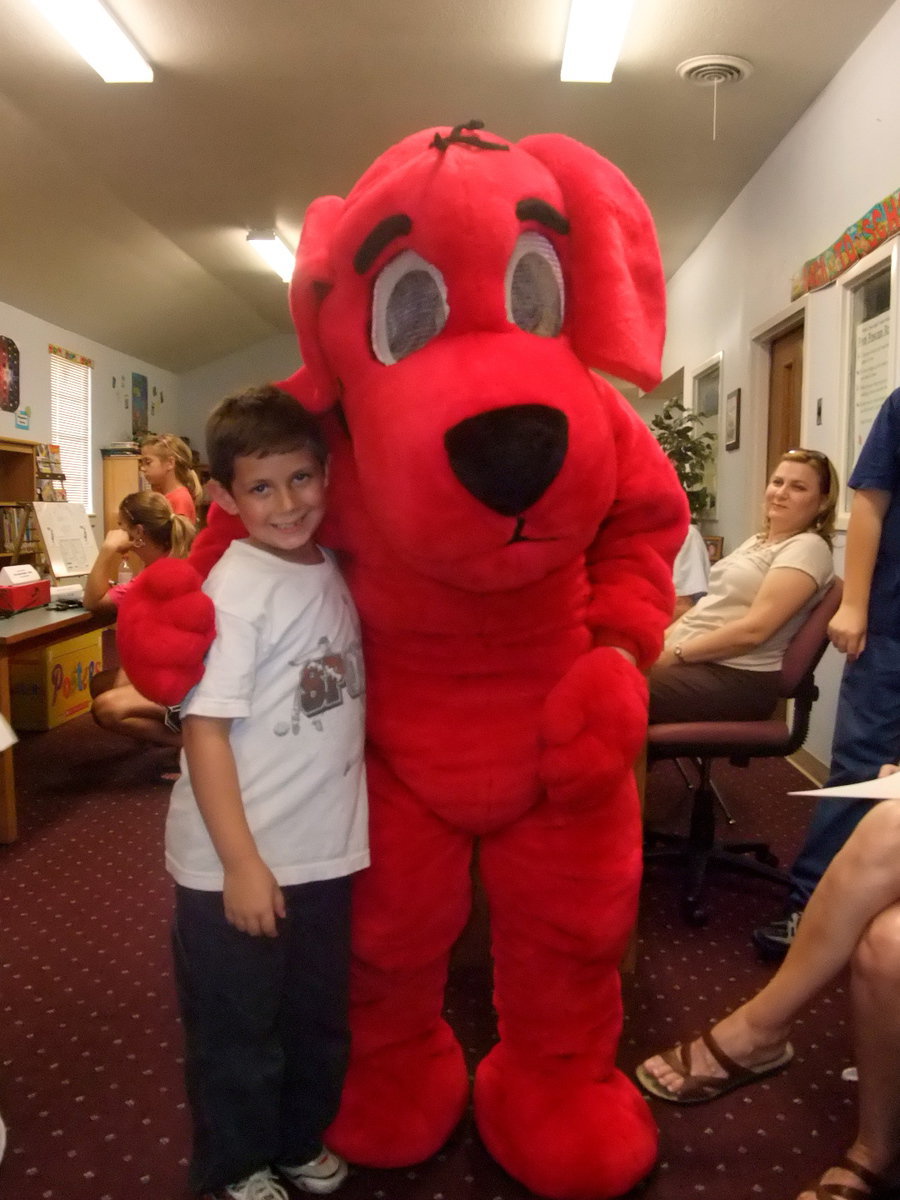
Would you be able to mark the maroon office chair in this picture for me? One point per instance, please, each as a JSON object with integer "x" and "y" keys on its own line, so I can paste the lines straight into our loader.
{"x": 702, "y": 742}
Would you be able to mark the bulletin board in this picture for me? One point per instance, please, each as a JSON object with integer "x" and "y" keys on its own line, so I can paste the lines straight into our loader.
{"x": 67, "y": 536}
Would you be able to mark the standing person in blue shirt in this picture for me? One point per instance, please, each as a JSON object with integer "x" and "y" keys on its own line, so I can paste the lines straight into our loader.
{"x": 268, "y": 821}
{"x": 867, "y": 629}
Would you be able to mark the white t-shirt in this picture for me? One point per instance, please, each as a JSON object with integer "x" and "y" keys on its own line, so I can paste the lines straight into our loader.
{"x": 690, "y": 573}
{"x": 286, "y": 667}
{"x": 733, "y": 584}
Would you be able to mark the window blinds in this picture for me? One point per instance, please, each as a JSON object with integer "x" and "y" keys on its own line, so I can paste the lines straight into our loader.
{"x": 70, "y": 420}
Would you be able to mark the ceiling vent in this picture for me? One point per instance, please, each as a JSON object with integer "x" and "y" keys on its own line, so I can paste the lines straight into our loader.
{"x": 707, "y": 70}
{"x": 713, "y": 70}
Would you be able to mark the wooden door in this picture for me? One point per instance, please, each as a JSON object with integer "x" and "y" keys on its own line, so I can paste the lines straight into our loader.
{"x": 785, "y": 380}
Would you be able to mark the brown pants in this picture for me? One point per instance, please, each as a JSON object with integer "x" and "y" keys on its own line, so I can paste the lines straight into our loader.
{"x": 711, "y": 692}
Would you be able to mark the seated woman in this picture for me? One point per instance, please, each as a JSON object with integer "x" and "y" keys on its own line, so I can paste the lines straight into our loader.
{"x": 722, "y": 658}
{"x": 148, "y": 527}
{"x": 853, "y": 916}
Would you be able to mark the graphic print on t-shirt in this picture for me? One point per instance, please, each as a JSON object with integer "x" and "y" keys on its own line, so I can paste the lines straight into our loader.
{"x": 324, "y": 677}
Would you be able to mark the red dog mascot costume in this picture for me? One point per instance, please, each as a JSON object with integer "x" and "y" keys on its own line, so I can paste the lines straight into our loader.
{"x": 507, "y": 526}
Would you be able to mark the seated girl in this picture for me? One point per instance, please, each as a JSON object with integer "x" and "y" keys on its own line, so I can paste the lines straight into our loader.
{"x": 149, "y": 528}
{"x": 722, "y": 658}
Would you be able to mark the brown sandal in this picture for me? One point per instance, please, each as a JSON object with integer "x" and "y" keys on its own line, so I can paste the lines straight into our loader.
{"x": 698, "y": 1089}
{"x": 878, "y": 1187}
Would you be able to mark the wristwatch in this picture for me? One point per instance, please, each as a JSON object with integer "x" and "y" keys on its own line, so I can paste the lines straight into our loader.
{"x": 678, "y": 651}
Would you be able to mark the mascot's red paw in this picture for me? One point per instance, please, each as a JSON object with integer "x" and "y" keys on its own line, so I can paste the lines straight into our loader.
{"x": 401, "y": 1103}
{"x": 564, "y": 1137}
{"x": 594, "y": 724}
{"x": 165, "y": 609}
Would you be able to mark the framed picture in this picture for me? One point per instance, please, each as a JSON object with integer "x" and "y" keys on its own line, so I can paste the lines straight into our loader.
{"x": 733, "y": 419}
{"x": 715, "y": 547}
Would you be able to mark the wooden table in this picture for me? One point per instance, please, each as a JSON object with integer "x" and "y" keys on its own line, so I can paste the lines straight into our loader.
{"x": 27, "y": 631}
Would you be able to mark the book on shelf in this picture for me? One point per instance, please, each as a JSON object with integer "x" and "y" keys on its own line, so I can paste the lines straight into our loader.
{"x": 47, "y": 461}
{"x": 12, "y": 519}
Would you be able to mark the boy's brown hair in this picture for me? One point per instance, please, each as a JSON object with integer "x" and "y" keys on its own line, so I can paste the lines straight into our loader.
{"x": 256, "y": 422}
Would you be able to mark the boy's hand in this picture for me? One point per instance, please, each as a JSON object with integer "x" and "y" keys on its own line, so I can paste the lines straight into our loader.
{"x": 888, "y": 769}
{"x": 847, "y": 631}
{"x": 253, "y": 899}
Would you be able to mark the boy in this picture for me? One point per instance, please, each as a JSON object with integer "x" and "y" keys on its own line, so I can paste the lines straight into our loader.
{"x": 867, "y": 629}
{"x": 268, "y": 822}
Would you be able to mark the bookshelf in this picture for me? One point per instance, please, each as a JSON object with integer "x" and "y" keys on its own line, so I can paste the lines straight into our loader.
{"x": 29, "y": 471}
{"x": 18, "y": 488}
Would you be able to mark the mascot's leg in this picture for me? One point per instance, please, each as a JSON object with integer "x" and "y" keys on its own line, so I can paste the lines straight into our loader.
{"x": 550, "y": 1105}
{"x": 407, "y": 1085}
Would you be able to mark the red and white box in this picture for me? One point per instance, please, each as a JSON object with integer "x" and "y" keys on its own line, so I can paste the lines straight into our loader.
{"x": 22, "y": 588}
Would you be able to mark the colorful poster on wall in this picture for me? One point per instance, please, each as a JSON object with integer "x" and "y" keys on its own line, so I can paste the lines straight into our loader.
{"x": 9, "y": 375}
{"x": 139, "y": 412}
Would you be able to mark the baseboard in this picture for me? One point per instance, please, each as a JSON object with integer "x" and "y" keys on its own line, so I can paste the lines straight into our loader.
{"x": 810, "y": 766}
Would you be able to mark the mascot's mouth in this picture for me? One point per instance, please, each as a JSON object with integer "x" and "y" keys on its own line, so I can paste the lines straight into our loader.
{"x": 519, "y": 536}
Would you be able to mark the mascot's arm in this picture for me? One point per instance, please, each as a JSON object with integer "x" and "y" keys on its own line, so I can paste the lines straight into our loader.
{"x": 630, "y": 561}
{"x": 595, "y": 719}
{"x": 166, "y": 623}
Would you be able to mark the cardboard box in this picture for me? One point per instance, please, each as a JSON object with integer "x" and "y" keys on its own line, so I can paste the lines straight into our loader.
{"x": 17, "y": 597}
{"x": 52, "y": 684}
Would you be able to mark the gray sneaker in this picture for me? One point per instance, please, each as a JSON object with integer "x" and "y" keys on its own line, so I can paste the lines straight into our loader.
{"x": 261, "y": 1185}
{"x": 320, "y": 1175}
{"x": 774, "y": 940}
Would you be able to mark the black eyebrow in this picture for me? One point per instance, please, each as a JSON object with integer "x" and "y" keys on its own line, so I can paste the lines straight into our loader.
{"x": 384, "y": 232}
{"x": 533, "y": 209}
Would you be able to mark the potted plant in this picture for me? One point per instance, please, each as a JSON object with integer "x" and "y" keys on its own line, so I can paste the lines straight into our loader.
{"x": 689, "y": 450}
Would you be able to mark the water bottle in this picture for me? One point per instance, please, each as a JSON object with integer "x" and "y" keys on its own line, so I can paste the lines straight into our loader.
{"x": 125, "y": 573}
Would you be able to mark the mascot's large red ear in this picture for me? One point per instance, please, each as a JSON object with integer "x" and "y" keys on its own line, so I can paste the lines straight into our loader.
{"x": 313, "y": 276}
{"x": 617, "y": 303}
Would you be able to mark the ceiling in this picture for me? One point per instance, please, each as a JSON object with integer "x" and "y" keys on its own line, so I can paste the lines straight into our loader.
{"x": 124, "y": 208}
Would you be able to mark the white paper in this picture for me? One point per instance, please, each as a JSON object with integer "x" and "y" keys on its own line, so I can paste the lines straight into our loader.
{"x": 887, "y": 788}
{"x": 7, "y": 737}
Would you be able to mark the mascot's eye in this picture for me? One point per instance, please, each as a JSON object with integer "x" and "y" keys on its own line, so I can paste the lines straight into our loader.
{"x": 409, "y": 307}
{"x": 535, "y": 295}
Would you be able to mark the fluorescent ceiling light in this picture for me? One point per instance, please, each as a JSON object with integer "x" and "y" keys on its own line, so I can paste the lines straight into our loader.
{"x": 87, "y": 26}
{"x": 274, "y": 251}
{"x": 594, "y": 38}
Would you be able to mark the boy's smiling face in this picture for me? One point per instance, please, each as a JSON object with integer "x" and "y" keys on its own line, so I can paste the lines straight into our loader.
{"x": 281, "y": 500}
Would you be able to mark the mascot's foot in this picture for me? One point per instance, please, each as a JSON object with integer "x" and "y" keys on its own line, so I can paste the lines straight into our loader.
{"x": 562, "y": 1136}
{"x": 401, "y": 1103}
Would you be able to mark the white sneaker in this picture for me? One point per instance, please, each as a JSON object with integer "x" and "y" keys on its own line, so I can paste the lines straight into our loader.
{"x": 261, "y": 1185}
{"x": 320, "y": 1175}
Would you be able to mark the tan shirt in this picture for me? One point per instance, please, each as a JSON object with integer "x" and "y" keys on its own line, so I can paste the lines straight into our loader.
{"x": 734, "y": 582}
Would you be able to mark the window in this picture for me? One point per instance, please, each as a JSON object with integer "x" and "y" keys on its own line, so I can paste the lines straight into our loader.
{"x": 70, "y": 420}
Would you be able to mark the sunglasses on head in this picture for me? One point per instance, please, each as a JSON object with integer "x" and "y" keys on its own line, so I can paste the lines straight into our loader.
{"x": 818, "y": 456}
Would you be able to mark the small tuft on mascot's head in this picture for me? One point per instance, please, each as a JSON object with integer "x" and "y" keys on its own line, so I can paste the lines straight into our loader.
{"x": 507, "y": 526}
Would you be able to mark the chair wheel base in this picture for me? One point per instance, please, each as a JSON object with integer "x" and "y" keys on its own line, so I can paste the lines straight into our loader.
{"x": 753, "y": 858}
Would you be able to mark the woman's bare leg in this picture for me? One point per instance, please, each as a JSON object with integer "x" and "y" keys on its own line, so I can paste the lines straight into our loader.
{"x": 876, "y": 1031}
{"x": 861, "y": 882}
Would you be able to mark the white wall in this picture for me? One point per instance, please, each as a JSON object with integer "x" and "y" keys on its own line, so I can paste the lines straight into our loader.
{"x": 838, "y": 160}
{"x": 111, "y": 421}
{"x": 201, "y": 389}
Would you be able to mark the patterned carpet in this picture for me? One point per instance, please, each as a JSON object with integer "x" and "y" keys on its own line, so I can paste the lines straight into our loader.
{"x": 90, "y": 1077}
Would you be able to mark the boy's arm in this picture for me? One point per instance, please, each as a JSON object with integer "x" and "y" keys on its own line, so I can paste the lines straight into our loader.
{"x": 847, "y": 629}
{"x": 251, "y": 895}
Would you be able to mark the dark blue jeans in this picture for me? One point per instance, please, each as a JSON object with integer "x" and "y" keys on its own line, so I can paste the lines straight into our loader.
{"x": 265, "y": 1024}
{"x": 866, "y": 735}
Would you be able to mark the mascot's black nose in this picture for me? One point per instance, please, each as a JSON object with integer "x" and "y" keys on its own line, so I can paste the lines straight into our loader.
{"x": 507, "y": 458}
